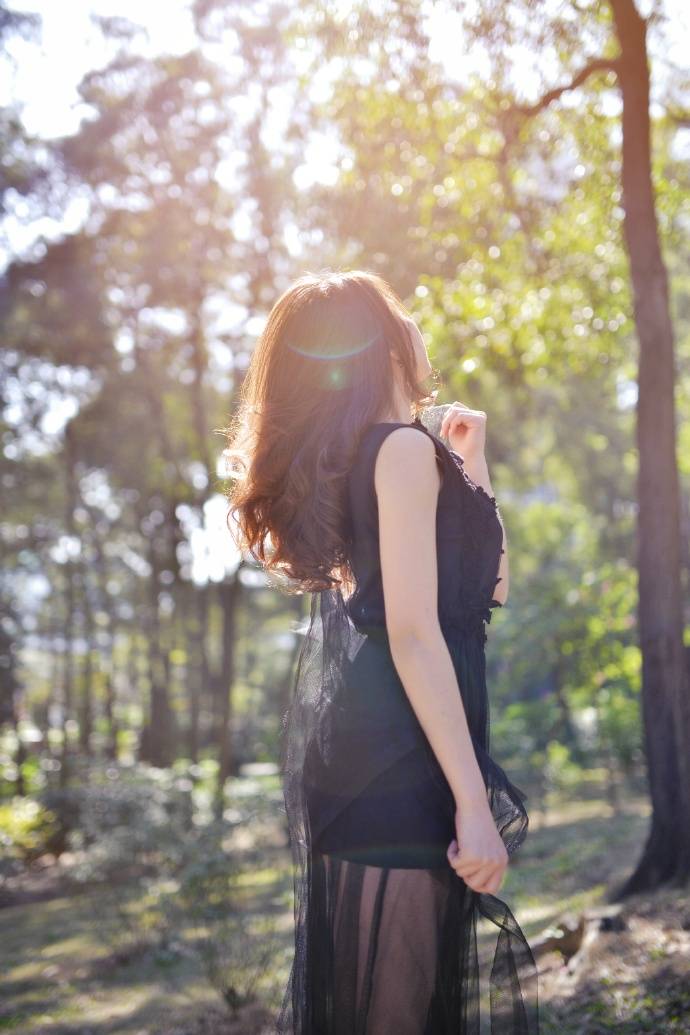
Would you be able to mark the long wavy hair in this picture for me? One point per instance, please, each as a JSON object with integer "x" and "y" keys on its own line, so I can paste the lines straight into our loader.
{"x": 321, "y": 373}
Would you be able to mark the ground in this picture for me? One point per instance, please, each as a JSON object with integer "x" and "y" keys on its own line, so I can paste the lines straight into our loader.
{"x": 61, "y": 975}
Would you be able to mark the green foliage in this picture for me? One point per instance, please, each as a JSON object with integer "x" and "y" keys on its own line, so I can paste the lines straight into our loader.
{"x": 185, "y": 869}
{"x": 27, "y": 828}
{"x": 620, "y": 730}
{"x": 123, "y": 817}
{"x": 560, "y": 771}
{"x": 236, "y": 948}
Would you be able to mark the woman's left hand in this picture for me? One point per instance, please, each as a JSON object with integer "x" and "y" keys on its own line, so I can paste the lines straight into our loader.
{"x": 465, "y": 429}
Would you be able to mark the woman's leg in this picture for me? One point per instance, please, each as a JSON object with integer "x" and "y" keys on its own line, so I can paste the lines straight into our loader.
{"x": 388, "y": 929}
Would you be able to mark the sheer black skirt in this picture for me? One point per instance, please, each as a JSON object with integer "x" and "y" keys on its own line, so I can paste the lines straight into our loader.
{"x": 394, "y": 950}
{"x": 385, "y": 930}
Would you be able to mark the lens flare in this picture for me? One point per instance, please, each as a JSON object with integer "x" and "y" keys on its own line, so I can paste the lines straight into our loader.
{"x": 331, "y": 353}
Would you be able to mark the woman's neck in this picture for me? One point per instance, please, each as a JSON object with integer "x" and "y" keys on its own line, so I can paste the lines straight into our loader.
{"x": 401, "y": 409}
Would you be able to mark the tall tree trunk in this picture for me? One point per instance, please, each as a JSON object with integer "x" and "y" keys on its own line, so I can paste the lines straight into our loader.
{"x": 87, "y": 675}
{"x": 109, "y": 709}
{"x": 229, "y": 594}
{"x": 70, "y": 606}
{"x": 565, "y": 728}
{"x": 10, "y": 688}
{"x": 201, "y": 425}
{"x": 46, "y": 711}
{"x": 665, "y": 703}
{"x": 101, "y": 568}
{"x": 198, "y": 665}
{"x": 157, "y": 742}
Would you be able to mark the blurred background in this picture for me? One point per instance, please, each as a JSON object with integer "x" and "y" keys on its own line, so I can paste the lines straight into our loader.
{"x": 518, "y": 170}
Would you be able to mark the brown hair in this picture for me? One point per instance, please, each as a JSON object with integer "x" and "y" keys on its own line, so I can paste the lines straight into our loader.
{"x": 320, "y": 374}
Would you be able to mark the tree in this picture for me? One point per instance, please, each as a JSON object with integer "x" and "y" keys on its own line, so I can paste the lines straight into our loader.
{"x": 427, "y": 138}
{"x": 665, "y": 678}
{"x": 139, "y": 300}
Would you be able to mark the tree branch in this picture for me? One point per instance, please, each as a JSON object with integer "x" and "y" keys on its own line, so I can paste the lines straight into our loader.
{"x": 597, "y": 65}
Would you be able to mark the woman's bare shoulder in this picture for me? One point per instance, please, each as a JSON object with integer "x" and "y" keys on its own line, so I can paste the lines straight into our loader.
{"x": 405, "y": 463}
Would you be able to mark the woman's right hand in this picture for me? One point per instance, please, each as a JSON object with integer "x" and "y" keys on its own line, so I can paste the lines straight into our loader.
{"x": 482, "y": 858}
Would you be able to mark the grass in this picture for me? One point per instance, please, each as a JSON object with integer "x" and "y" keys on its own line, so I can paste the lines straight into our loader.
{"x": 66, "y": 967}
{"x": 60, "y": 974}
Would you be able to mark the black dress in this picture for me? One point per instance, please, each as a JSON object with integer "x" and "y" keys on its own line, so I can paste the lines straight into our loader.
{"x": 385, "y": 930}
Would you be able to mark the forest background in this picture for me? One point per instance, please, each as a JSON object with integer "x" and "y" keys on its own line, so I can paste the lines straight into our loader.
{"x": 518, "y": 170}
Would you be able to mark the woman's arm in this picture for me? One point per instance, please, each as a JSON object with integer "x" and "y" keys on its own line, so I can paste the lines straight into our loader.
{"x": 407, "y": 482}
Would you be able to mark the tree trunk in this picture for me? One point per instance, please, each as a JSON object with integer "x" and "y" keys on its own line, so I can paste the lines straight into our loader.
{"x": 10, "y": 689}
{"x": 87, "y": 675}
{"x": 197, "y": 666}
{"x": 565, "y": 728}
{"x": 229, "y": 594}
{"x": 157, "y": 742}
{"x": 665, "y": 705}
{"x": 70, "y": 607}
{"x": 109, "y": 660}
{"x": 109, "y": 709}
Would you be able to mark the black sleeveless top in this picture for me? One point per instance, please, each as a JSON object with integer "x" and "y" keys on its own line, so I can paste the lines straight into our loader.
{"x": 361, "y": 719}
{"x": 468, "y": 538}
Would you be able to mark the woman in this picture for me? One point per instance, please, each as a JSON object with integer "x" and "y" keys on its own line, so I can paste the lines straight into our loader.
{"x": 401, "y": 823}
